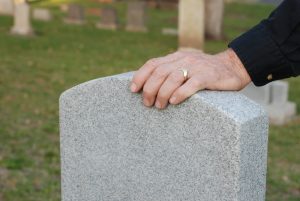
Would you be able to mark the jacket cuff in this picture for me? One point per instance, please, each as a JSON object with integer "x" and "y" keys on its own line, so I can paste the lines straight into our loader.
{"x": 261, "y": 56}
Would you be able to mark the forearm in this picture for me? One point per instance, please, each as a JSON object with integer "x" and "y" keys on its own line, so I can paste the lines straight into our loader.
{"x": 271, "y": 50}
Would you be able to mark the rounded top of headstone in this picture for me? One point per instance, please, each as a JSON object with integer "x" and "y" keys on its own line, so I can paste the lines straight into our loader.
{"x": 231, "y": 104}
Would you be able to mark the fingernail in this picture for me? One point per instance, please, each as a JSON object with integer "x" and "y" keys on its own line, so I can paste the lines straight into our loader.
{"x": 172, "y": 100}
{"x": 146, "y": 102}
{"x": 158, "y": 105}
{"x": 133, "y": 87}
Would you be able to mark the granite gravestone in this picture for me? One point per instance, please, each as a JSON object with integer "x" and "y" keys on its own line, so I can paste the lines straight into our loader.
{"x": 214, "y": 14}
{"x": 6, "y": 7}
{"x": 191, "y": 24}
{"x": 108, "y": 19}
{"x": 212, "y": 147}
{"x": 136, "y": 16}
{"x": 280, "y": 110}
{"x": 75, "y": 14}
{"x": 274, "y": 98}
{"x": 22, "y": 22}
{"x": 42, "y": 14}
{"x": 260, "y": 95}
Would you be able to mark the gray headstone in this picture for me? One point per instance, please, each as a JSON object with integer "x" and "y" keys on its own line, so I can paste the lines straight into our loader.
{"x": 136, "y": 16}
{"x": 212, "y": 147}
{"x": 6, "y": 7}
{"x": 274, "y": 98}
{"x": 279, "y": 92}
{"x": 281, "y": 114}
{"x": 260, "y": 95}
{"x": 42, "y": 14}
{"x": 191, "y": 24}
{"x": 214, "y": 14}
{"x": 75, "y": 14}
{"x": 22, "y": 22}
{"x": 108, "y": 19}
{"x": 280, "y": 110}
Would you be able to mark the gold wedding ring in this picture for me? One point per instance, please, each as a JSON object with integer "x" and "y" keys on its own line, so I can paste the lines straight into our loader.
{"x": 185, "y": 73}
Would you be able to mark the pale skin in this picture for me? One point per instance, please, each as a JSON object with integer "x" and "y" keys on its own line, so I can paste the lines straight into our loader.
{"x": 161, "y": 83}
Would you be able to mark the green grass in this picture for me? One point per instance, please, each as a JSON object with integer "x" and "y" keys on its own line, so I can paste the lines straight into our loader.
{"x": 35, "y": 71}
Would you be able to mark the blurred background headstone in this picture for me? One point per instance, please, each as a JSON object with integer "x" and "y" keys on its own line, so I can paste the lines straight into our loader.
{"x": 22, "y": 22}
{"x": 191, "y": 24}
{"x": 108, "y": 19}
{"x": 136, "y": 16}
{"x": 214, "y": 14}
{"x": 75, "y": 14}
{"x": 42, "y": 14}
{"x": 274, "y": 98}
{"x": 6, "y": 7}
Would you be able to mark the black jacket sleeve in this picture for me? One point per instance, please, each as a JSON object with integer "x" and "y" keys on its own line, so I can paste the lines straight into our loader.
{"x": 271, "y": 50}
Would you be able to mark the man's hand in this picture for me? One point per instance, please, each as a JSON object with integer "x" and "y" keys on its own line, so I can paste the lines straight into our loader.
{"x": 162, "y": 82}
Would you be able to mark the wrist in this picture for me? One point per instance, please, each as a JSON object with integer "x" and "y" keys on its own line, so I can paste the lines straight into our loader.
{"x": 238, "y": 67}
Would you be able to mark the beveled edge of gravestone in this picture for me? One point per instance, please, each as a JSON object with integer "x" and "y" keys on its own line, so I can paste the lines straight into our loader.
{"x": 232, "y": 104}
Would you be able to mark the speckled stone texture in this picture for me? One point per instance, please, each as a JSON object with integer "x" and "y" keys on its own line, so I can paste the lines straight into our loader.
{"x": 212, "y": 147}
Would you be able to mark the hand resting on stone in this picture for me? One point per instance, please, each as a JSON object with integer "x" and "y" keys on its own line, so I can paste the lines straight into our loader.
{"x": 161, "y": 82}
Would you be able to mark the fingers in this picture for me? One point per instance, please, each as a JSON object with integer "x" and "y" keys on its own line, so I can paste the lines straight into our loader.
{"x": 189, "y": 88}
{"x": 155, "y": 81}
{"x": 174, "y": 80}
{"x": 141, "y": 76}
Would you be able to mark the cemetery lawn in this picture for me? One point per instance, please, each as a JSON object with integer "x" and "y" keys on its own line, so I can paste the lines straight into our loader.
{"x": 35, "y": 71}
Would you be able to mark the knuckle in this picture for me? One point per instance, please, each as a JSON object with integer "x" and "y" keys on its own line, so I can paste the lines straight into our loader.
{"x": 176, "y": 77}
{"x": 171, "y": 54}
{"x": 152, "y": 62}
{"x": 195, "y": 83}
{"x": 148, "y": 92}
{"x": 162, "y": 97}
{"x": 136, "y": 78}
{"x": 182, "y": 52}
{"x": 191, "y": 59}
{"x": 176, "y": 54}
{"x": 179, "y": 94}
{"x": 159, "y": 72}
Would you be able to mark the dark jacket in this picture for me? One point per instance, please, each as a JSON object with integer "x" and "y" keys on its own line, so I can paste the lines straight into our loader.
{"x": 271, "y": 50}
